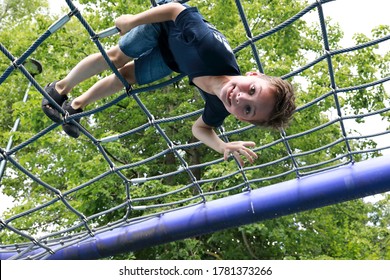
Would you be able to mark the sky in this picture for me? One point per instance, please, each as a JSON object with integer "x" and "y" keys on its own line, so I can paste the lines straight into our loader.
{"x": 358, "y": 15}
{"x": 352, "y": 15}
{"x": 361, "y": 16}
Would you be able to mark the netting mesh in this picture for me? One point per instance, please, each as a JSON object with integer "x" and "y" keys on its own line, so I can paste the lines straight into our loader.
{"x": 289, "y": 154}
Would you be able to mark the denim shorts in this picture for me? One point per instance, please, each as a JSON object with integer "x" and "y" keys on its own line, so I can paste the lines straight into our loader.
{"x": 141, "y": 44}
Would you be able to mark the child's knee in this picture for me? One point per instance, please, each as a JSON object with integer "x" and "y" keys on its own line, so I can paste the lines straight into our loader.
{"x": 118, "y": 58}
{"x": 128, "y": 72}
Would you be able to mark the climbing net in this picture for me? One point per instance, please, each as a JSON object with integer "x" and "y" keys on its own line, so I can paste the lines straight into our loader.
{"x": 287, "y": 157}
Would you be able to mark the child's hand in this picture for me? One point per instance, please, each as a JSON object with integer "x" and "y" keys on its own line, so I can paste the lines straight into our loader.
{"x": 239, "y": 149}
{"x": 124, "y": 23}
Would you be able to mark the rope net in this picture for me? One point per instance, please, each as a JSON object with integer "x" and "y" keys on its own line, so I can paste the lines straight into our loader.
{"x": 148, "y": 184}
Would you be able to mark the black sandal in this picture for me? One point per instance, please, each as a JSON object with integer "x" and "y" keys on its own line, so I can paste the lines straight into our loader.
{"x": 51, "y": 112}
{"x": 71, "y": 129}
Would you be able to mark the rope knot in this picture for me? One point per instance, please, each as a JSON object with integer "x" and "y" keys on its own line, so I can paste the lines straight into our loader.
{"x": 152, "y": 120}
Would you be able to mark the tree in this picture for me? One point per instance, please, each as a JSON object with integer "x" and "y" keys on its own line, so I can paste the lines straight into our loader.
{"x": 344, "y": 231}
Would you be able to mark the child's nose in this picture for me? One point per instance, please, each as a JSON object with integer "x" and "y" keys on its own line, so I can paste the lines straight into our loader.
{"x": 238, "y": 98}
{"x": 241, "y": 97}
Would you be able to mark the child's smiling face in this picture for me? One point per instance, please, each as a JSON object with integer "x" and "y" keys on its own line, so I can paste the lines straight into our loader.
{"x": 248, "y": 98}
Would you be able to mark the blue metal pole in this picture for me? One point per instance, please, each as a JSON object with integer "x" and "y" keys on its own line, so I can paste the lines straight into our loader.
{"x": 338, "y": 185}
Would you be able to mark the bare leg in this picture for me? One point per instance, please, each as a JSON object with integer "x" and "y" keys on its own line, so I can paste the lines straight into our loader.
{"x": 105, "y": 87}
{"x": 86, "y": 68}
{"x": 90, "y": 66}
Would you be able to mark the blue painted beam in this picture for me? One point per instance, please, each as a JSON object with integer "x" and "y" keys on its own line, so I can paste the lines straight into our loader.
{"x": 342, "y": 184}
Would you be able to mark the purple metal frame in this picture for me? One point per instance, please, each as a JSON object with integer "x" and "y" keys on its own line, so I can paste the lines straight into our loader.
{"x": 338, "y": 185}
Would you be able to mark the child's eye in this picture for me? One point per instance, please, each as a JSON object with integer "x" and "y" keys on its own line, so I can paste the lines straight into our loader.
{"x": 252, "y": 90}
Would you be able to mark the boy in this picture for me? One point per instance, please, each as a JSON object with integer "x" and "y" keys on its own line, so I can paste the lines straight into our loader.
{"x": 197, "y": 49}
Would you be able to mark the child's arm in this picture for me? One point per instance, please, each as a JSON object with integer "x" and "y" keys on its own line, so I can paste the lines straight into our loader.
{"x": 207, "y": 135}
{"x": 166, "y": 12}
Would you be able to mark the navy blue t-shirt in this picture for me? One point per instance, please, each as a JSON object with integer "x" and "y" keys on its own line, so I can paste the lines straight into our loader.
{"x": 200, "y": 50}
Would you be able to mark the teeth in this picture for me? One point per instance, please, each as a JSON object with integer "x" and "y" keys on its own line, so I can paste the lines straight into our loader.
{"x": 230, "y": 96}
